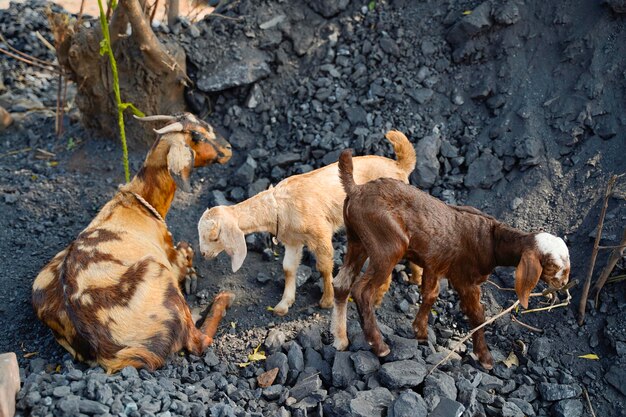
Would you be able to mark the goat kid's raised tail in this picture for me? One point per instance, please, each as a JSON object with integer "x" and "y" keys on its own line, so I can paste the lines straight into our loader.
{"x": 404, "y": 150}
{"x": 346, "y": 171}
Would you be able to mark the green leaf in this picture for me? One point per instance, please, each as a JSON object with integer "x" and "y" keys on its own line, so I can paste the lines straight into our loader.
{"x": 591, "y": 356}
{"x": 372, "y": 5}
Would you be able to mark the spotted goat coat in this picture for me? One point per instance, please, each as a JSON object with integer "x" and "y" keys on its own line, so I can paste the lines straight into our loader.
{"x": 113, "y": 295}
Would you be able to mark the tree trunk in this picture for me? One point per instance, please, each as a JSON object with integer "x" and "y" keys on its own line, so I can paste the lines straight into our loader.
{"x": 151, "y": 74}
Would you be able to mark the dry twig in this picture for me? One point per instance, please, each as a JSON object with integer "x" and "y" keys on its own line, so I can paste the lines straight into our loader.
{"x": 593, "y": 414}
{"x": 594, "y": 253}
{"x": 616, "y": 255}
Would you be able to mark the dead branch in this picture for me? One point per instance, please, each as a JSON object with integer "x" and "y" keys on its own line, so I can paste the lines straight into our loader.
{"x": 528, "y": 326}
{"x": 616, "y": 255}
{"x": 593, "y": 414}
{"x": 592, "y": 262}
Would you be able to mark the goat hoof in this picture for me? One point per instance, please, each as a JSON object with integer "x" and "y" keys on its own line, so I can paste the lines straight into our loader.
{"x": 340, "y": 344}
{"x": 280, "y": 310}
{"x": 488, "y": 366}
{"x": 382, "y": 351}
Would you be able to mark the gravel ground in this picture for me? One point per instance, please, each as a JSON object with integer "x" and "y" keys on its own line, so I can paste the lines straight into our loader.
{"x": 527, "y": 98}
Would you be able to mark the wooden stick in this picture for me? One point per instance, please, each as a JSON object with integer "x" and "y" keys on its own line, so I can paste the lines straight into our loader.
{"x": 612, "y": 247}
{"x": 528, "y": 326}
{"x": 25, "y": 55}
{"x": 593, "y": 414}
{"x": 616, "y": 255}
{"x": 499, "y": 287}
{"x": 222, "y": 301}
{"x": 467, "y": 336}
{"x": 616, "y": 278}
{"x": 51, "y": 68}
{"x": 582, "y": 306}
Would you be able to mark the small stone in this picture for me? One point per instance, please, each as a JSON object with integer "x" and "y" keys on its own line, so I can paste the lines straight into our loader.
{"x": 273, "y": 392}
{"x": 403, "y": 306}
{"x": 295, "y": 359}
{"x": 554, "y": 392}
{"x": 278, "y": 360}
{"x": 302, "y": 275}
{"x": 343, "y": 371}
{"x": 194, "y": 31}
{"x": 245, "y": 173}
{"x": 402, "y": 348}
{"x": 484, "y": 171}
{"x": 61, "y": 391}
{"x": 408, "y": 404}
{"x": 421, "y": 95}
{"x": 568, "y": 408}
{"x": 510, "y": 409}
{"x": 274, "y": 340}
{"x": 372, "y": 403}
{"x": 257, "y": 186}
{"x": 441, "y": 384}
{"x": 365, "y": 362}
{"x": 92, "y": 407}
{"x": 389, "y": 46}
{"x": 305, "y": 387}
{"x": 540, "y": 348}
{"x": 272, "y": 22}
{"x": 401, "y": 374}
{"x": 313, "y": 359}
{"x": 447, "y": 408}
{"x": 69, "y": 405}
{"x": 616, "y": 376}
{"x": 311, "y": 337}
{"x": 427, "y": 167}
{"x": 263, "y": 277}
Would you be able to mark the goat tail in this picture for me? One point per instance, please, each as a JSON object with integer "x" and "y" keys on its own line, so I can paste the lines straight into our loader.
{"x": 405, "y": 152}
{"x": 346, "y": 171}
{"x": 137, "y": 357}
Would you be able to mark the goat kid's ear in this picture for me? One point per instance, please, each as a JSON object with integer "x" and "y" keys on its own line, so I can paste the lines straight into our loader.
{"x": 235, "y": 246}
{"x": 180, "y": 160}
{"x": 527, "y": 276}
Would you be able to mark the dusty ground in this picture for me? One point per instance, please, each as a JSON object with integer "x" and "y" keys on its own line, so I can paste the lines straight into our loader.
{"x": 558, "y": 71}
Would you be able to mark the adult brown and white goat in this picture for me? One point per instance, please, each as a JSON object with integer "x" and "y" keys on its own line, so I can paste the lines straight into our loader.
{"x": 387, "y": 220}
{"x": 302, "y": 210}
{"x": 113, "y": 295}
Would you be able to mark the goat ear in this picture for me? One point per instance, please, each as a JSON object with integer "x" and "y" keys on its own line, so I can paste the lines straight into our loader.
{"x": 234, "y": 245}
{"x": 180, "y": 161}
{"x": 527, "y": 276}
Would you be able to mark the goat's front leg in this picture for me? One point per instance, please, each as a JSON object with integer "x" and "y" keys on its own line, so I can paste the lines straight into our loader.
{"x": 473, "y": 309}
{"x": 291, "y": 261}
{"x": 323, "y": 251}
{"x": 430, "y": 292}
{"x": 183, "y": 267}
{"x": 353, "y": 262}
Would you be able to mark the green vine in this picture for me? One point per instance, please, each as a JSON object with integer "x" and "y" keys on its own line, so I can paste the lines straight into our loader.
{"x": 105, "y": 48}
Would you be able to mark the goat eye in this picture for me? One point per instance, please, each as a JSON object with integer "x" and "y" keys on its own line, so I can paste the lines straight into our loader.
{"x": 195, "y": 136}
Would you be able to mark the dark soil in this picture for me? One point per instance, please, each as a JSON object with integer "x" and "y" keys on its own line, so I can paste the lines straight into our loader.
{"x": 528, "y": 97}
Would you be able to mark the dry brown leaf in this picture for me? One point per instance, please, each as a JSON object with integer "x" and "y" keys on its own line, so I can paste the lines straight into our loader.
{"x": 511, "y": 360}
{"x": 266, "y": 379}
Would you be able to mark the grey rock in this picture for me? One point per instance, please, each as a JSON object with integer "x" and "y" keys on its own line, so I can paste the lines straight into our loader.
{"x": 525, "y": 392}
{"x": 365, "y": 362}
{"x": 618, "y": 6}
{"x": 540, "y": 348}
{"x": 222, "y": 410}
{"x": 507, "y": 13}
{"x": 568, "y": 408}
{"x": 343, "y": 372}
{"x": 328, "y": 8}
{"x": 488, "y": 382}
{"x": 92, "y": 407}
{"x": 616, "y": 376}
{"x": 338, "y": 405}
{"x": 303, "y": 274}
{"x": 408, "y": 404}
{"x": 278, "y": 360}
{"x": 427, "y": 167}
{"x": 484, "y": 171}
{"x": 402, "y": 348}
{"x": 263, "y": 277}
{"x": 210, "y": 358}
{"x": 69, "y": 405}
{"x": 272, "y": 392}
{"x": 274, "y": 340}
{"x": 252, "y": 66}
{"x": 357, "y": 116}
{"x": 245, "y": 173}
{"x": 287, "y": 158}
{"x": 295, "y": 358}
{"x": 421, "y": 95}
{"x": 37, "y": 365}
{"x": 372, "y": 403}
{"x": 510, "y": 409}
{"x": 523, "y": 405}
{"x": 194, "y": 31}
{"x": 311, "y": 337}
{"x": 61, "y": 391}
{"x": 389, "y": 46}
{"x": 529, "y": 150}
{"x": 401, "y": 374}
{"x": 313, "y": 359}
{"x": 272, "y": 22}
{"x": 305, "y": 387}
{"x": 218, "y": 198}
{"x": 441, "y": 384}
{"x": 470, "y": 25}
{"x": 447, "y": 408}
{"x": 257, "y": 186}
{"x": 554, "y": 392}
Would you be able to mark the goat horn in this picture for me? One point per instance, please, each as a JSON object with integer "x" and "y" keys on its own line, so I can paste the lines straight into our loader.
{"x": 155, "y": 118}
{"x": 174, "y": 127}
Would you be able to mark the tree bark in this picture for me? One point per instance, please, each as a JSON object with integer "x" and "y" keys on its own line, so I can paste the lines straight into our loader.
{"x": 152, "y": 74}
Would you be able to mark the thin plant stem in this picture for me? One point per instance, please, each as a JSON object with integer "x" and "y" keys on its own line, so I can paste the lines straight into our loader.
{"x": 116, "y": 88}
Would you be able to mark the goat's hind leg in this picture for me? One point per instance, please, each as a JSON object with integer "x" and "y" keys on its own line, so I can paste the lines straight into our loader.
{"x": 430, "y": 292}
{"x": 353, "y": 262}
{"x": 322, "y": 247}
{"x": 473, "y": 309}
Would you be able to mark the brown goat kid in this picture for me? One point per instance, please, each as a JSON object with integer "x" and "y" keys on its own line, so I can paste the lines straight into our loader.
{"x": 113, "y": 295}
{"x": 387, "y": 220}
